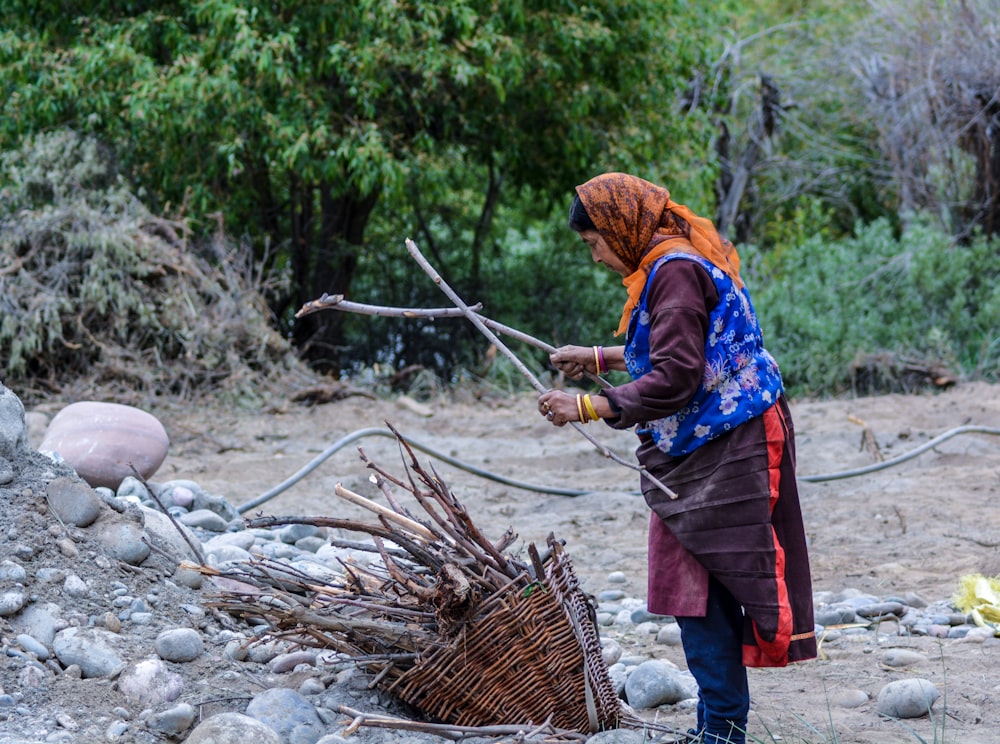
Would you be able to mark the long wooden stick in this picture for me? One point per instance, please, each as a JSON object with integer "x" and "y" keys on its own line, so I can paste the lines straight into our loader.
{"x": 337, "y": 302}
{"x": 411, "y": 247}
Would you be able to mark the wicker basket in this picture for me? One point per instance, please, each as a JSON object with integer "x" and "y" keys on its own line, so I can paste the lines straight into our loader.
{"x": 530, "y": 655}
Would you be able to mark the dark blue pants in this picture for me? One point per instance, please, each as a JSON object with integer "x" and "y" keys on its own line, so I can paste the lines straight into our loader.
{"x": 713, "y": 647}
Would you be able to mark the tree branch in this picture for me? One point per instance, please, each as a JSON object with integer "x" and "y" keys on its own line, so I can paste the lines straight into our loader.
{"x": 518, "y": 364}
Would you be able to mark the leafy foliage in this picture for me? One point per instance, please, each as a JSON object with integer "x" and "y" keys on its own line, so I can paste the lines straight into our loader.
{"x": 920, "y": 296}
{"x": 93, "y": 286}
{"x": 296, "y": 122}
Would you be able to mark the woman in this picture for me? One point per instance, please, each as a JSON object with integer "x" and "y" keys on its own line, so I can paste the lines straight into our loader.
{"x": 727, "y": 556}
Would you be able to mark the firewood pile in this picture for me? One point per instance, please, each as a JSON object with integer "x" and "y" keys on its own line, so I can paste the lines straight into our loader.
{"x": 443, "y": 618}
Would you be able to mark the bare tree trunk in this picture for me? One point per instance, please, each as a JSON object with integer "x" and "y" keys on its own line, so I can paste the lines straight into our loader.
{"x": 325, "y": 257}
{"x": 485, "y": 222}
{"x": 735, "y": 177}
{"x": 983, "y": 143}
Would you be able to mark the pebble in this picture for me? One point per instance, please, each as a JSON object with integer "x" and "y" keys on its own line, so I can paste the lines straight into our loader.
{"x": 12, "y": 601}
{"x": 656, "y": 682}
{"x": 74, "y": 502}
{"x": 93, "y": 650}
{"x": 288, "y": 713}
{"x": 173, "y": 720}
{"x": 179, "y": 645}
{"x": 232, "y": 728}
{"x": 12, "y": 571}
{"x": 901, "y": 657}
{"x": 149, "y": 683}
{"x": 907, "y": 698}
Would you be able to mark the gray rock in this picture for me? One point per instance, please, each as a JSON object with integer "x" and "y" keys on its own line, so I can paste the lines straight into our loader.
{"x": 611, "y": 651}
{"x": 179, "y": 644}
{"x": 288, "y": 662}
{"x": 220, "y": 554}
{"x": 32, "y": 646}
{"x": 116, "y": 730}
{"x": 655, "y": 683}
{"x": 617, "y": 736}
{"x": 132, "y": 489}
{"x": 172, "y": 721}
{"x": 907, "y": 698}
{"x": 123, "y": 540}
{"x": 74, "y": 586}
{"x": 901, "y": 657}
{"x": 95, "y": 651}
{"x": 291, "y": 715}
{"x": 11, "y": 571}
{"x": 311, "y": 686}
{"x": 669, "y": 634}
{"x": 204, "y": 519}
{"x": 217, "y": 504}
{"x": 879, "y": 609}
{"x": 168, "y": 536}
{"x": 310, "y": 544}
{"x": 618, "y": 674}
{"x": 12, "y": 601}
{"x": 233, "y": 728}
{"x": 833, "y": 615}
{"x": 292, "y": 533}
{"x": 643, "y": 615}
{"x": 73, "y": 501}
{"x": 38, "y": 621}
{"x": 13, "y": 429}
{"x": 149, "y": 683}
{"x": 849, "y": 698}
{"x": 243, "y": 539}
{"x": 187, "y": 577}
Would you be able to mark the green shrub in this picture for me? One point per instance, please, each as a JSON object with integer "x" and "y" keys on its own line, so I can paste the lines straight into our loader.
{"x": 919, "y": 300}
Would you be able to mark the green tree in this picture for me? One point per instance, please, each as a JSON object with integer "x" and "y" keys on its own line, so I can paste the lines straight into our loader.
{"x": 296, "y": 121}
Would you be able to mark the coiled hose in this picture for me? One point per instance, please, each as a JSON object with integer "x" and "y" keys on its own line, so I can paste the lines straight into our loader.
{"x": 380, "y": 432}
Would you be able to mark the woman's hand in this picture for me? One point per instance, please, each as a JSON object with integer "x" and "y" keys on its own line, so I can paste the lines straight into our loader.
{"x": 558, "y": 407}
{"x": 573, "y": 361}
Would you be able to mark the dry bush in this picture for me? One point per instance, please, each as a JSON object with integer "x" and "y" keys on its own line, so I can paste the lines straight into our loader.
{"x": 930, "y": 73}
{"x": 96, "y": 289}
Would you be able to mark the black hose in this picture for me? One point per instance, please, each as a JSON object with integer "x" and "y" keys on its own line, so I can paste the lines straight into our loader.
{"x": 379, "y": 432}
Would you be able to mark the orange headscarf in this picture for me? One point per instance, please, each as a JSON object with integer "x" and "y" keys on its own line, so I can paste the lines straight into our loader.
{"x": 640, "y": 224}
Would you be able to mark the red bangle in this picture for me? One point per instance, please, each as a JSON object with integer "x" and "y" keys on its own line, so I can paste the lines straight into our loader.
{"x": 602, "y": 366}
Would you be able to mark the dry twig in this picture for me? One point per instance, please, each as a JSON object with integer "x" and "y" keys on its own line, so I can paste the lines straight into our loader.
{"x": 443, "y": 618}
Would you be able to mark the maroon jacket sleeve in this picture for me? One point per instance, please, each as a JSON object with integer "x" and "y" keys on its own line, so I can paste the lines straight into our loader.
{"x": 679, "y": 301}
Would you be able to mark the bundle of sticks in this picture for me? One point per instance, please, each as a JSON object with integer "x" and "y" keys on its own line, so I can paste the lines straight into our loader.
{"x": 442, "y": 617}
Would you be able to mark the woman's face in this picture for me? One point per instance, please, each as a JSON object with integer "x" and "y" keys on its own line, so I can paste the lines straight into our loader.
{"x": 602, "y": 254}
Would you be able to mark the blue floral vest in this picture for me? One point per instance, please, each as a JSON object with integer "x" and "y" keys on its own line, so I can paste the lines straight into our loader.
{"x": 741, "y": 378}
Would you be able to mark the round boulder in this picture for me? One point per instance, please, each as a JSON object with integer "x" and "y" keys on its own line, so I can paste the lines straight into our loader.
{"x": 232, "y": 728}
{"x": 907, "y": 698}
{"x": 103, "y": 441}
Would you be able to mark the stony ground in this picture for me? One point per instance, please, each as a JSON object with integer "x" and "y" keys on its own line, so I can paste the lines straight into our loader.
{"x": 910, "y": 530}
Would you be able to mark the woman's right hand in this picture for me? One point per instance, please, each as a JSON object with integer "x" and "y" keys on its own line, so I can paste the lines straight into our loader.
{"x": 573, "y": 361}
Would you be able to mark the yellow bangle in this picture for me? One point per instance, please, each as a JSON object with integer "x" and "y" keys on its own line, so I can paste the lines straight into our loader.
{"x": 590, "y": 408}
{"x": 579, "y": 408}
{"x": 597, "y": 361}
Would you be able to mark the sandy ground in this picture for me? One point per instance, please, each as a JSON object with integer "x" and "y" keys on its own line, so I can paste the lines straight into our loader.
{"x": 912, "y": 527}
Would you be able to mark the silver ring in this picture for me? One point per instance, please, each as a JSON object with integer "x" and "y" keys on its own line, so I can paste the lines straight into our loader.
{"x": 550, "y": 415}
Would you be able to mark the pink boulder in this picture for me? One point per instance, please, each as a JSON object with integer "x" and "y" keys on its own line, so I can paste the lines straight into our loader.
{"x": 102, "y": 440}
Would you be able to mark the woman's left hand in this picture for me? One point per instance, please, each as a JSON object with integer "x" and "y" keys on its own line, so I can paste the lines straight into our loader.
{"x": 558, "y": 407}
